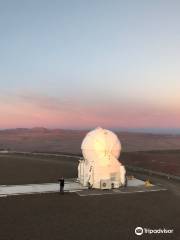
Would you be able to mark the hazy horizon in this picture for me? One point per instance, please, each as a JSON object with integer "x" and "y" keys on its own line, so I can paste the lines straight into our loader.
{"x": 128, "y": 130}
{"x": 82, "y": 64}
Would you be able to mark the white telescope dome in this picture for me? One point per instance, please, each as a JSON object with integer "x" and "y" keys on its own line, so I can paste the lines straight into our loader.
{"x": 100, "y": 142}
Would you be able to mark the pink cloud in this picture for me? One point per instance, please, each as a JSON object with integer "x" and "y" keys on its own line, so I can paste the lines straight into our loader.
{"x": 39, "y": 110}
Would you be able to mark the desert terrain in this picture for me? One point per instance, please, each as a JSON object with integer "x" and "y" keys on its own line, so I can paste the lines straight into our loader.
{"x": 165, "y": 161}
{"x": 69, "y": 141}
{"x": 155, "y": 152}
{"x": 26, "y": 169}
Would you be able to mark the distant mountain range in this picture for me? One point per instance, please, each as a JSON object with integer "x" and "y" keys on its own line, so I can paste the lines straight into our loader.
{"x": 58, "y": 140}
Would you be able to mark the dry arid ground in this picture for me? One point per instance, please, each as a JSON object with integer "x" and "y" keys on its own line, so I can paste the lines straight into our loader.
{"x": 69, "y": 141}
{"x": 45, "y": 140}
{"x": 167, "y": 161}
{"x": 69, "y": 216}
{"x": 24, "y": 169}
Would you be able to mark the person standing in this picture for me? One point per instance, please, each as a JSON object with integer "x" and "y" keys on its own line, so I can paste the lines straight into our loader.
{"x": 61, "y": 183}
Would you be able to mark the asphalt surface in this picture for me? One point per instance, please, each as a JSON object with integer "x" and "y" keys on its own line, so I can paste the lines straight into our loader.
{"x": 69, "y": 216}
{"x": 55, "y": 216}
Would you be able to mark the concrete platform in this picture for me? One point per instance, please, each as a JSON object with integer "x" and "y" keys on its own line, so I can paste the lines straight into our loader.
{"x": 133, "y": 185}
{"x": 135, "y": 182}
{"x": 125, "y": 190}
{"x": 70, "y": 186}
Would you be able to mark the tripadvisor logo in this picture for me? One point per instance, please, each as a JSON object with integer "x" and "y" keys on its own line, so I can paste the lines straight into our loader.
{"x": 139, "y": 231}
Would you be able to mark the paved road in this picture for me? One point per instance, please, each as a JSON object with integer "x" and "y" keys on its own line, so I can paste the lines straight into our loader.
{"x": 46, "y": 154}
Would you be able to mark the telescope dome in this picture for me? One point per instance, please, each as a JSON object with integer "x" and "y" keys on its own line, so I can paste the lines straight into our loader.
{"x": 100, "y": 143}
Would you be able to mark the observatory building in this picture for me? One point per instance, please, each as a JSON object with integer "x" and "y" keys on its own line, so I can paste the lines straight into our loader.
{"x": 100, "y": 167}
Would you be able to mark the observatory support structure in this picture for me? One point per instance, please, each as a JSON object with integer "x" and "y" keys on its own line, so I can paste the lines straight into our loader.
{"x": 100, "y": 176}
{"x": 100, "y": 167}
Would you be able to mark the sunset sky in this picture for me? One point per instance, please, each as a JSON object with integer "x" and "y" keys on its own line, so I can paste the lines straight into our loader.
{"x": 81, "y": 64}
